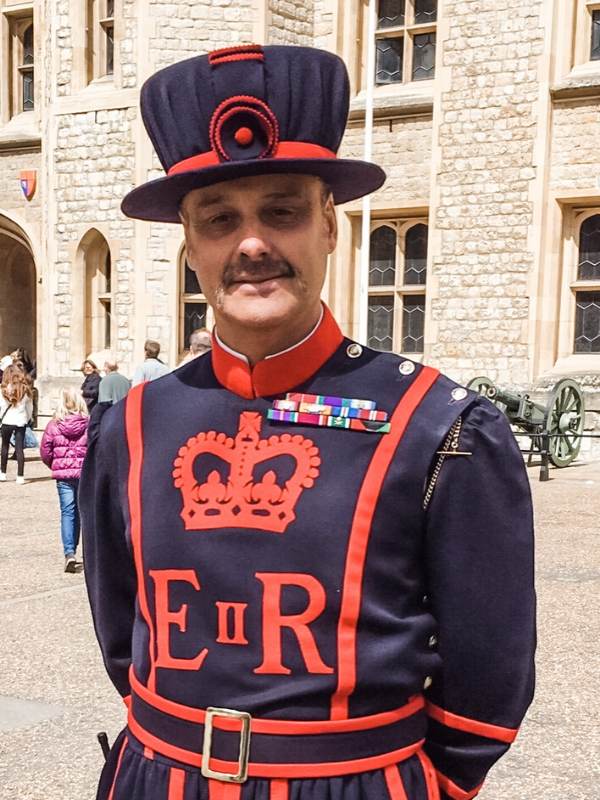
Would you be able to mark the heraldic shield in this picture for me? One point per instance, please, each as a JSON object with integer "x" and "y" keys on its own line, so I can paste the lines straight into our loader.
{"x": 239, "y": 501}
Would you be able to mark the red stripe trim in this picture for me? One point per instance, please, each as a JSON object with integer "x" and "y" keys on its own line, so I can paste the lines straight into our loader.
{"x": 433, "y": 789}
{"x": 239, "y": 57}
{"x": 111, "y": 794}
{"x": 454, "y": 791}
{"x": 279, "y": 789}
{"x": 284, "y": 150}
{"x": 135, "y": 443}
{"x": 240, "y": 49}
{"x": 217, "y": 790}
{"x": 275, "y": 726}
{"x": 149, "y": 754}
{"x": 359, "y": 539}
{"x": 473, "y": 726}
{"x": 393, "y": 781}
{"x": 176, "y": 784}
{"x": 325, "y": 769}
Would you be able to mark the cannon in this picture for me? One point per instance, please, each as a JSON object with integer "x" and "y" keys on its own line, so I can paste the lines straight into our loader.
{"x": 556, "y": 430}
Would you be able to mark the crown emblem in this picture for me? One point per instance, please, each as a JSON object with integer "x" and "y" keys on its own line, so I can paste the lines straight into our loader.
{"x": 237, "y": 499}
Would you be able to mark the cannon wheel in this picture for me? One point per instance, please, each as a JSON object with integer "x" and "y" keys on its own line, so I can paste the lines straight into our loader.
{"x": 481, "y": 384}
{"x": 564, "y": 422}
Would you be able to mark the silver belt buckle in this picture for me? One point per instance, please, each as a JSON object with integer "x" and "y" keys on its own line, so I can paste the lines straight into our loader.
{"x": 241, "y": 776}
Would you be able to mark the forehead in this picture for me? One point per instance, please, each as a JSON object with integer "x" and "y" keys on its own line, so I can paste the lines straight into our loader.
{"x": 258, "y": 188}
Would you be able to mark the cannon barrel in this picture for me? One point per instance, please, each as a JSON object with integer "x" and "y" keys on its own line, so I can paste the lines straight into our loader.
{"x": 511, "y": 400}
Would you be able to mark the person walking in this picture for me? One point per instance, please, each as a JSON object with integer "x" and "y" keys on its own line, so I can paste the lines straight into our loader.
{"x": 113, "y": 386}
{"x": 16, "y": 408}
{"x": 91, "y": 383}
{"x": 63, "y": 448}
{"x": 152, "y": 367}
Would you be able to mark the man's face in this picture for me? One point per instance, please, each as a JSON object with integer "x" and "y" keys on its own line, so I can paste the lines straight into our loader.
{"x": 259, "y": 247}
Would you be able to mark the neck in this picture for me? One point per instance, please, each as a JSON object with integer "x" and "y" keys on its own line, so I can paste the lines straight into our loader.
{"x": 257, "y": 344}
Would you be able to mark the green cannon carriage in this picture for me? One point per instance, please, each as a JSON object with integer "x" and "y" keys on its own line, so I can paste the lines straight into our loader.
{"x": 555, "y": 430}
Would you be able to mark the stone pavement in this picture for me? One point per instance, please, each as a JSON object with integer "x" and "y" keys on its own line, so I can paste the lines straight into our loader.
{"x": 55, "y": 696}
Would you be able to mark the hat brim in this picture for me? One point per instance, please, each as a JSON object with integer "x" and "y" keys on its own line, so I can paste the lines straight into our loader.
{"x": 159, "y": 200}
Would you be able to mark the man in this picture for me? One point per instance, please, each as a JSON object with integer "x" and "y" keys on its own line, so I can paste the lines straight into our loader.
{"x": 309, "y": 563}
{"x": 113, "y": 386}
{"x": 200, "y": 343}
{"x": 152, "y": 367}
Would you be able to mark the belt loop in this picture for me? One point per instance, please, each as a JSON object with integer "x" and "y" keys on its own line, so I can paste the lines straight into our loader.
{"x": 217, "y": 790}
{"x": 278, "y": 789}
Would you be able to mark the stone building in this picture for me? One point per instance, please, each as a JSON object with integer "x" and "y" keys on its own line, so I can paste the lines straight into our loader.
{"x": 485, "y": 240}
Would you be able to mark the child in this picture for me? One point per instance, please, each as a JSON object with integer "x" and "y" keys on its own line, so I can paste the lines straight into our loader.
{"x": 16, "y": 408}
{"x": 63, "y": 448}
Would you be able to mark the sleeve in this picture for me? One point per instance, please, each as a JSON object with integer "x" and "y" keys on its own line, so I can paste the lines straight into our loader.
{"x": 47, "y": 445}
{"x": 29, "y": 408}
{"x": 138, "y": 376}
{"x": 104, "y": 395}
{"x": 479, "y": 549}
{"x": 109, "y": 568}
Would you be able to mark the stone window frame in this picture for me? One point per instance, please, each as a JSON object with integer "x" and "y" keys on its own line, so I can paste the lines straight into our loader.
{"x": 399, "y": 290}
{"x": 574, "y": 217}
{"x": 100, "y": 26}
{"x": 16, "y": 23}
{"x": 582, "y": 40}
{"x": 188, "y": 298}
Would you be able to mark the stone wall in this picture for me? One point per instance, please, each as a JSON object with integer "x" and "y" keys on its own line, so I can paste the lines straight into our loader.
{"x": 291, "y": 22}
{"x": 94, "y": 164}
{"x": 11, "y": 196}
{"x": 484, "y": 210}
{"x": 402, "y": 147}
{"x": 575, "y": 151}
{"x": 191, "y": 27}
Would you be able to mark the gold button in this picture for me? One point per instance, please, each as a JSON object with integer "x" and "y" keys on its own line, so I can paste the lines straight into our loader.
{"x": 433, "y": 641}
{"x": 354, "y": 350}
{"x": 459, "y": 393}
{"x": 427, "y": 682}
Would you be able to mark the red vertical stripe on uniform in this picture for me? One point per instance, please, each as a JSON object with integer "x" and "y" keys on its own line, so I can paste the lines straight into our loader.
{"x": 176, "y": 784}
{"x": 394, "y": 784}
{"x": 278, "y": 789}
{"x": 433, "y": 789}
{"x": 111, "y": 794}
{"x": 149, "y": 754}
{"x": 217, "y": 790}
{"x": 359, "y": 539}
{"x": 135, "y": 443}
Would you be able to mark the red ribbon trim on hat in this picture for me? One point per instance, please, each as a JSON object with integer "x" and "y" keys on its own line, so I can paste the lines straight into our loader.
{"x": 284, "y": 150}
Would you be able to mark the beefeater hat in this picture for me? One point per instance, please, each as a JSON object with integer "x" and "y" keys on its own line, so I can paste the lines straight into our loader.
{"x": 242, "y": 111}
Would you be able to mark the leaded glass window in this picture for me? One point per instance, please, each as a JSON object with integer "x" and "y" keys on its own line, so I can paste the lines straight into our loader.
{"x": 405, "y": 41}
{"x": 587, "y": 322}
{"x": 413, "y": 323}
{"x": 382, "y": 262}
{"x": 380, "y": 331}
{"x": 423, "y": 57}
{"x": 193, "y": 307}
{"x": 425, "y": 11}
{"x": 397, "y": 276}
{"x": 415, "y": 256}
{"x": 390, "y": 13}
{"x": 25, "y": 68}
{"x": 389, "y": 60}
{"x": 588, "y": 268}
{"x": 595, "y": 45}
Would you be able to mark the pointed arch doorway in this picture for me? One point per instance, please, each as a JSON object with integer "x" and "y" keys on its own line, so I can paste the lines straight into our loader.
{"x": 18, "y": 300}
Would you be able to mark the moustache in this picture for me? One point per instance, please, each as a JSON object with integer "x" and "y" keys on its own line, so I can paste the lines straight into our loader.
{"x": 236, "y": 272}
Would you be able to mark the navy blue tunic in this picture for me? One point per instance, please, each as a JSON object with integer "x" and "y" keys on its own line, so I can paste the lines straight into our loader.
{"x": 310, "y": 575}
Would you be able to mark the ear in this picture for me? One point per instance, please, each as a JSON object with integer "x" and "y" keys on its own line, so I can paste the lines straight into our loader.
{"x": 331, "y": 223}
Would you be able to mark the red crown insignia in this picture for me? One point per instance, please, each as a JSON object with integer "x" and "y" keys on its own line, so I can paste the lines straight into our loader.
{"x": 239, "y": 501}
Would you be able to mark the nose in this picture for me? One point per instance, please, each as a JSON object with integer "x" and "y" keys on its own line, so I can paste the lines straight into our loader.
{"x": 254, "y": 248}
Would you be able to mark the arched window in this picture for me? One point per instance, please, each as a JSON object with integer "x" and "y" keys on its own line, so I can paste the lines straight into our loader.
{"x": 98, "y": 290}
{"x": 397, "y": 276}
{"x": 193, "y": 308}
{"x": 587, "y": 288}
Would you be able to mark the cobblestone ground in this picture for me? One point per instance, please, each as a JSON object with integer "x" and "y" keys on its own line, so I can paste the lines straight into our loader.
{"x": 54, "y": 694}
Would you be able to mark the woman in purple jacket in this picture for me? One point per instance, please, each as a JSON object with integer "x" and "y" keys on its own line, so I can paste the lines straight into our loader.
{"x": 63, "y": 448}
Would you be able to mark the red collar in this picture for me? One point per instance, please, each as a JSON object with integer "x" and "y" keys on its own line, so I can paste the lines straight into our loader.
{"x": 281, "y": 372}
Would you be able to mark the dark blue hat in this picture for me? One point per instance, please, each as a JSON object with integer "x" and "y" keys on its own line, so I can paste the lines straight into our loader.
{"x": 242, "y": 111}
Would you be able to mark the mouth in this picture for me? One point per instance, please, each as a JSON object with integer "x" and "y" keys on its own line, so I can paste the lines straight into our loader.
{"x": 258, "y": 279}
